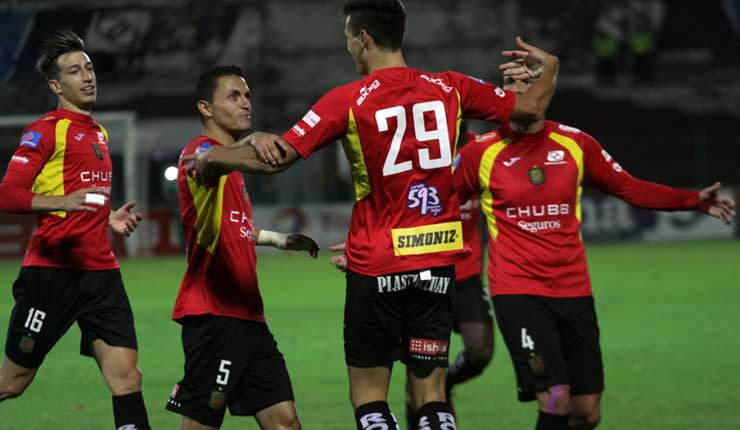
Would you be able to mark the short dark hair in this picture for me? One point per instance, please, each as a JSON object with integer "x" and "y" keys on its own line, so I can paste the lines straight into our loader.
{"x": 62, "y": 42}
{"x": 384, "y": 20}
{"x": 208, "y": 80}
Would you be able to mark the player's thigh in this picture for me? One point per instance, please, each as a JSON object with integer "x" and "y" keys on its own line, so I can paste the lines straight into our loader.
{"x": 472, "y": 302}
{"x": 47, "y": 302}
{"x": 265, "y": 382}
{"x": 428, "y": 320}
{"x": 108, "y": 316}
{"x": 14, "y": 378}
{"x": 532, "y": 336}
{"x": 581, "y": 341}
{"x": 218, "y": 350}
{"x": 372, "y": 322}
{"x": 474, "y": 317}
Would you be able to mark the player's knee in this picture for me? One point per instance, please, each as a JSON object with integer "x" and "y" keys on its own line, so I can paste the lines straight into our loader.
{"x": 585, "y": 417}
{"x": 11, "y": 390}
{"x": 556, "y": 400}
{"x": 479, "y": 356}
{"x": 126, "y": 381}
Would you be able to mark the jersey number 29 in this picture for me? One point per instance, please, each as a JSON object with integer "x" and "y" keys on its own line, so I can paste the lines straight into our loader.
{"x": 441, "y": 134}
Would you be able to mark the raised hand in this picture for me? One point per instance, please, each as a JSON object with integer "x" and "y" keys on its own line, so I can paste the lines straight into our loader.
{"x": 723, "y": 206}
{"x": 528, "y": 62}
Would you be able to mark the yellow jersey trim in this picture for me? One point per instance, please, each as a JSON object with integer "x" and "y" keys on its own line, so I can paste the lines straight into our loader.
{"x": 50, "y": 181}
{"x": 353, "y": 151}
{"x": 485, "y": 170}
{"x": 209, "y": 203}
{"x": 577, "y": 153}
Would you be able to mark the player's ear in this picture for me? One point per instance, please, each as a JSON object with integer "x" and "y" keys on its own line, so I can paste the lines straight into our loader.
{"x": 367, "y": 40}
{"x": 55, "y": 87}
{"x": 204, "y": 107}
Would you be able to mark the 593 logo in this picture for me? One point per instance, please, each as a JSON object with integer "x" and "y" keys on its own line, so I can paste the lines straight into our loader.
{"x": 426, "y": 199}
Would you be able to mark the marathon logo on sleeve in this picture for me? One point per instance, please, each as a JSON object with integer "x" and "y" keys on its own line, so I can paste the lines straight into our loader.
{"x": 31, "y": 139}
{"x": 428, "y": 239}
{"x": 203, "y": 147}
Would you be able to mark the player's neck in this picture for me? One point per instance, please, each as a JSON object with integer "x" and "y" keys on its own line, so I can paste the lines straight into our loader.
{"x": 527, "y": 127}
{"x": 384, "y": 60}
{"x": 220, "y": 135}
{"x": 67, "y": 105}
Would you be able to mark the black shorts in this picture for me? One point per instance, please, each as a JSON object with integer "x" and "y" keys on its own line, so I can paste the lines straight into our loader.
{"x": 472, "y": 302}
{"x": 552, "y": 341}
{"x": 228, "y": 362}
{"x": 49, "y": 300}
{"x": 399, "y": 317}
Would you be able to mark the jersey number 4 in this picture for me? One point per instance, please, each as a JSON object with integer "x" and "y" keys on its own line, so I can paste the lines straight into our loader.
{"x": 441, "y": 134}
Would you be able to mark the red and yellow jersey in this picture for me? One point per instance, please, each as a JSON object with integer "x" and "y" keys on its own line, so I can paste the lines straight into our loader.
{"x": 399, "y": 127}
{"x": 530, "y": 187}
{"x": 221, "y": 275}
{"x": 60, "y": 153}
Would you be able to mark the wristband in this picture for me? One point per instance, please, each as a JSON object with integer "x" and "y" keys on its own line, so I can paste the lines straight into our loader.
{"x": 94, "y": 199}
{"x": 271, "y": 238}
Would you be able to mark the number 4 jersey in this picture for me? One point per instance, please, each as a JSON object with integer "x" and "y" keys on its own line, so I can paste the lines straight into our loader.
{"x": 399, "y": 127}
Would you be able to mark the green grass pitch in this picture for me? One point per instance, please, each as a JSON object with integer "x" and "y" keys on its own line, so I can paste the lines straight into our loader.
{"x": 669, "y": 315}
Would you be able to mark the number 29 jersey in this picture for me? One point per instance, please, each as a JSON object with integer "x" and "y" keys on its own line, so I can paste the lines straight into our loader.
{"x": 399, "y": 127}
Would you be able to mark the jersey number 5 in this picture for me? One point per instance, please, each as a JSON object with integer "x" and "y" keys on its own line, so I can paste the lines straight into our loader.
{"x": 440, "y": 134}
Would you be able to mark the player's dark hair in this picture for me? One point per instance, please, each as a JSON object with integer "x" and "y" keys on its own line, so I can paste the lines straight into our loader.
{"x": 384, "y": 20}
{"x": 208, "y": 80}
{"x": 60, "y": 43}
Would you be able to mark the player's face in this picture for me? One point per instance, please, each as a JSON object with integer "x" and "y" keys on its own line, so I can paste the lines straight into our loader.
{"x": 516, "y": 85}
{"x": 76, "y": 81}
{"x": 231, "y": 109}
{"x": 355, "y": 47}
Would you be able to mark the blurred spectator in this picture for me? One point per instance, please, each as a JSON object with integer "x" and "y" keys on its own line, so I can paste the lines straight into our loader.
{"x": 644, "y": 21}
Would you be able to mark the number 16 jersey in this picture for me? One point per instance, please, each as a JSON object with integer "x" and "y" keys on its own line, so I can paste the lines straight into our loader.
{"x": 399, "y": 127}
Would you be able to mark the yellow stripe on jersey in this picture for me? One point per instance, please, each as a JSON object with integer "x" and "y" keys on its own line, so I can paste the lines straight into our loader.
{"x": 457, "y": 130}
{"x": 484, "y": 176}
{"x": 105, "y": 132}
{"x": 50, "y": 181}
{"x": 209, "y": 203}
{"x": 427, "y": 239}
{"x": 577, "y": 153}
{"x": 353, "y": 151}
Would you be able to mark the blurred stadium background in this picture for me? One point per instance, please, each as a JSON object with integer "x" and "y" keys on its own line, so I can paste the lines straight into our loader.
{"x": 656, "y": 82}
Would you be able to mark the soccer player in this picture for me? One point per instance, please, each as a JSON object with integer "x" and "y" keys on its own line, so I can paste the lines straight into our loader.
{"x": 62, "y": 172}
{"x": 231, "y": 357}
{"x": 472, "y": 312}
{"x": 399, "y": 126}
{"x": 530, "y": 175}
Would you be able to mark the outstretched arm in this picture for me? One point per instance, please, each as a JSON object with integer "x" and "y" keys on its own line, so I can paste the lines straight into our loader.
{"x": 257, "y": 153}
{"x": 609, "y": 176}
